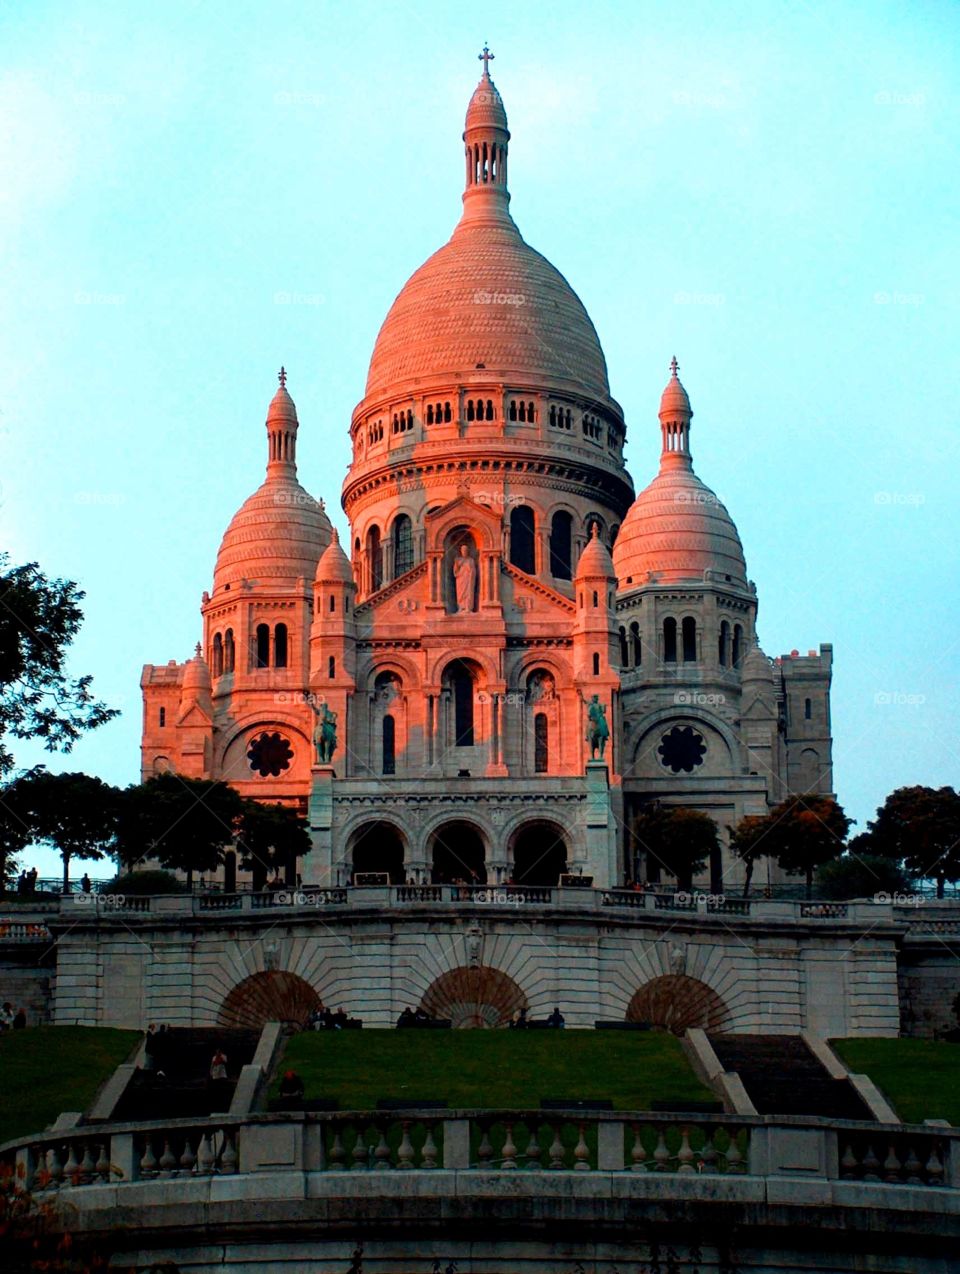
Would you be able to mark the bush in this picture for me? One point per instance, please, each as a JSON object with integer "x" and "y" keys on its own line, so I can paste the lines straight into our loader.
{"x": 144, "y": 882}
{"x": 861, "y": 877}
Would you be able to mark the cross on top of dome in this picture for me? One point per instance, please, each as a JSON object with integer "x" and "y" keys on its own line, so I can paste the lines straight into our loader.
{"x": 486, "y": 57}
{"x": 282, "y": 377}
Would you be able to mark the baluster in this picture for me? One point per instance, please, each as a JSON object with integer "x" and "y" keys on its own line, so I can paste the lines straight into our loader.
{"x": 849, "y": 1163}
{"x": 685, "y": 1155}
{"x": 71, "y": 1169}
{"x": 102, "y": 1166}
{"x": 934, "y": 1168}
{"x": 871, "y": 1166}
{"x": 429, "y": 1149}
{"x": 709, "y": 1155}
{"x": 148, "y": 1160}
{"x": 556, "y": 1148}
{"x": 405, "y": 1149}
{"x": 485, "y": 1149}
{"x": 205, "y": 1156}
{"x": 361, "y": 1157}
{"x": 581, "y": 1154}
{"x": 508, "y": 1158}
{"x": 54, "y": 1169}
{"x": 735, "y": 1161}
{"x": 188, "y": 1160}
{"x": 913, "y": 1167}
{"x": 87, "y": 1165}
{"x": 661, "y": 1155}
{"x": 337, "y": 1156}
{"x": 228, "y": 1159}
{"x": 534, "y": 1150}
{"x": 638, "y": 1155}
{"x": 168, "y": 1160}
{"x": 891, "y": 1165}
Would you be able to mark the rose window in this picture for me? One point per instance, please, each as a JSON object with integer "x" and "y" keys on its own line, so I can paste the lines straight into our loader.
{"x": 682, "y": 748}
{"x": 269, "y": 754}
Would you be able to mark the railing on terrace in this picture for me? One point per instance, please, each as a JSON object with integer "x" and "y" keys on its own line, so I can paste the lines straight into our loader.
{"x": 487, "y": 1141}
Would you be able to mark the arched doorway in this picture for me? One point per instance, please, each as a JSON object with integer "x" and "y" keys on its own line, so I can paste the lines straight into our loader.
{"x": 677, "y": 1002}
{"x": 458, "y": 855}
{"x": 474, "y": 996}
{"x": 272, "y": 996}
{"x": 539, "y": 854}
{"x": 377, "y": 847}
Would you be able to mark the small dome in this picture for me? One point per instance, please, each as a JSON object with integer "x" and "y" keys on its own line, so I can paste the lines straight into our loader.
{"x": 282, "y": 407}
{"x": 674, "y": 401}
{"x": 334, "y": 565}
{"x": 196, "y": 675}
{"x": 276, "y": 537}
{"x": 595, "y": 560}
{"x": 675, "y": 531}
{"x": 486, "y": 109}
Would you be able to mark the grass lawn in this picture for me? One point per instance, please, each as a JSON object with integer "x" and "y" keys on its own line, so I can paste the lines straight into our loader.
{"x": 508, "y": 1069}
{"x": 46, "y": 1070}
{"x": 920, "y": 1078}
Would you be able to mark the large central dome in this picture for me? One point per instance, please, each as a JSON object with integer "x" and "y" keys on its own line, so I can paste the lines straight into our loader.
{"x": 486, "y": 303}
{"x": 486, "y": 300}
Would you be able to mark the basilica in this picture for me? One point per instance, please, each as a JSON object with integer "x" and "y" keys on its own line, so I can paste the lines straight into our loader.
{"x": 513, "y": 653}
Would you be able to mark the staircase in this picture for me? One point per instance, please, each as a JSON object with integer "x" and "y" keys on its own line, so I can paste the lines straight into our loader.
{"x": 783, "y": 1077}
{"x": 178, "y": 1086}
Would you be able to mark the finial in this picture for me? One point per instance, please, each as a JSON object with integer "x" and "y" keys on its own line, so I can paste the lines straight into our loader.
{"x": 595, "y": 531}
{"x": 198, "y": 652}
{"x": 282, "y": 377}
{"x": 486, "y": 57}
{"x": 673, "y": 366}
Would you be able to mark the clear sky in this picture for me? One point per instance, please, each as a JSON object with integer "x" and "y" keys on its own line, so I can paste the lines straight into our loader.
{"x": 192, "y": 194}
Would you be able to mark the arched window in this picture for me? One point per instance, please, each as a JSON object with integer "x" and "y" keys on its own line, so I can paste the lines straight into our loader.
{"x": 689, "y": 633}
{"x": 737, "y": 644}
{"x": 624, "y": 659}
{"x": 375, "y": 558}
{"x": 229, "y": 651}
{"x": 531, "y": 414}
{"x": 596, "y": 663}
{"x": 489, "y": 409}
{"x": 513, "y": 410}
{"x": 429, "y": 413}
{"x": 561, "y": 538}
{"x": 447, "y": 415}
{"x": 218, "y": 656}
{"x": 522, "y": 552}
{"x": 263, "y": 645}
{"x": 723, "y": 652}
{"x": 163, "y": 717}
{"x": 469, "y": 409}
{"x": 332, "y": 666}
{"x": 461, "y": 683}
{"x": 389, "y": 745}
{"x": 635, "y": 643}
{"x": 541, "y": 741}
{"x": 669, "y": 641}
{"x": 807, "y": 709}
{"x": 402, "y": 545}
{"x": 333, "y": 604}
{"x": 280, "y": 646}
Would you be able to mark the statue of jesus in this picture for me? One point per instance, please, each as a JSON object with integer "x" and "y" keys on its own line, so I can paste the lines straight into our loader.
{"x": 465, "y": 580}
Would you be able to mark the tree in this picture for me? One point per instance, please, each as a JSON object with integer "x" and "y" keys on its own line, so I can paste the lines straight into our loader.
{"x": 680, "y": 840}
{"x": 856, "y": 875}
{"x": 270, "y": 838}
{"x": 16, "y": 831}
{"x": 75, "y": 813}
{"x": 806, "y": 831}
{"x": 185, "y": 824}
{"x": 39, "y": 618}
{"x": 920, "y": 827}
{"x": 749, "y": 843}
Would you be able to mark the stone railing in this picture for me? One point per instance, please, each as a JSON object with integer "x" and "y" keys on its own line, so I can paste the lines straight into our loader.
{"x": 633, "y": 1143}
{"x": 14, "y": 930}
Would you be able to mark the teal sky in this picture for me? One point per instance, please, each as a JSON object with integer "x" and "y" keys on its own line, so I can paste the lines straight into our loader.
{"x": 193, "y": 194}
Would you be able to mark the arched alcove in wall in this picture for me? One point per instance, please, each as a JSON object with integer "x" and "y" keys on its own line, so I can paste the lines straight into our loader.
{"x": 677, "y": 1002}
{"x": 474, "y": 996}
{"x": 271, "y": 996}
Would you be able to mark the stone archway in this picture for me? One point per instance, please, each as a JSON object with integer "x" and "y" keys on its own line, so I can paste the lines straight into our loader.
{"x": 458, "y": 854}
{"x": 474, "y": 996}
{"x": 539, "y": 852}
{"x": 377, "y": 846}
{"x": 677, "y": 1002}
{"x": 272, "y": 996}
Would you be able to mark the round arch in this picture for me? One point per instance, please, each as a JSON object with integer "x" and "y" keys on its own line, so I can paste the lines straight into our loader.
{"x": 676, "y": 1002}
{"x": 474, "y": 996}
{"x": 377, "y": 845}
{"x": 405, "y": 669}
{"x": 272, "y": 996}
{"x": 458, "y": 853}
{"x": 539, "y": 852}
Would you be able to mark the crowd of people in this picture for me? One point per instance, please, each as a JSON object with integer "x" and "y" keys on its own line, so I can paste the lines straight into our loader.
{"x": 27, "y": 882}
{"x": 416, "y": 1017}
{"x": 520, "y": 1021}
{"x": 324, "y": 1019}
